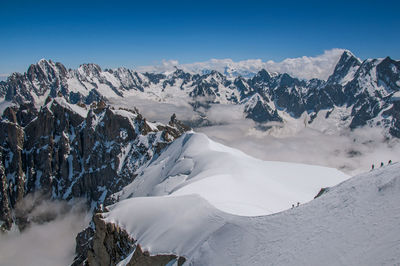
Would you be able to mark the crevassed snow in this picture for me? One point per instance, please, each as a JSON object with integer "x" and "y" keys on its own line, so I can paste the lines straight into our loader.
{"x": 229, "y": 179}
{"x": 354, "y": 223}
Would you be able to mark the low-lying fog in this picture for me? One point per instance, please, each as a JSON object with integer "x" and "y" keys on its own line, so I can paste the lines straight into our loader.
{"x": 352, "y": 152}
{"x": 50, "y": 239}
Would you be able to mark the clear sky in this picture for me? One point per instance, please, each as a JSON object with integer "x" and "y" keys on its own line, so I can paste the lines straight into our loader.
{"x": 134, "y": 33}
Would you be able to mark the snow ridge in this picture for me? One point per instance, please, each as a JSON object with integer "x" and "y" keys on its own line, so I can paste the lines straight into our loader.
{"x": 194, "y": 164}
{"x": 354, "y": 223}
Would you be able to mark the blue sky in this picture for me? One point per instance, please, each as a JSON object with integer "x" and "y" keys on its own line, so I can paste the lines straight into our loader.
{"x": 134, "y": 33}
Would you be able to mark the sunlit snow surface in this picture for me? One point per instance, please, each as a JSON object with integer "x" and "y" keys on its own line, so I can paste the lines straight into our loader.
{"x": 229, "y": 179}
{"x": 354, "y": 223}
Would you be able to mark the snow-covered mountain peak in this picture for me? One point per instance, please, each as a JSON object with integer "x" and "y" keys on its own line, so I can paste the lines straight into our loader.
{"x": 46, "y": 68}
{"x": 229, "y": 179}
{"x": 44, "y": 62}
{"x": 349, "y": 54}
{"x": 345, "y": 69}
{"x": 263, "y": 75}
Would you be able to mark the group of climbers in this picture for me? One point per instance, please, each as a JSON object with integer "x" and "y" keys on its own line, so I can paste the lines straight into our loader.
{"x": 373, "y": 166}
{"x": 298, "y": 204}
{"x": 382, "y": 164}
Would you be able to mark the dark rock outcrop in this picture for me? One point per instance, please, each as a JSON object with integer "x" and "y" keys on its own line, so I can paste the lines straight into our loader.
{"x": 65, "y": 153}
{"x": 106, "y": 243}
{"x": 5, "y": 210}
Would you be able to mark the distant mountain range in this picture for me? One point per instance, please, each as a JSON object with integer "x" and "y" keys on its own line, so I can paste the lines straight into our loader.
{"x": 357, "y": 93}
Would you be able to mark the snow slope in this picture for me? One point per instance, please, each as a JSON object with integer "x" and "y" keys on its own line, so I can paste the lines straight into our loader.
{"x": 354, "y": 223}
{"x": 229, "y": 179}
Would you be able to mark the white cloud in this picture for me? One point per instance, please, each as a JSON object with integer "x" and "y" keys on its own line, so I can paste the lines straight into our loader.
{"x": 225, "y": 113}
{"x": 164, "y": 66}
{"x": 157, "y": 111}
{"x": 305, "y": 67}
{"x": 352, "y": 152}
{"x": 46, "y": 243}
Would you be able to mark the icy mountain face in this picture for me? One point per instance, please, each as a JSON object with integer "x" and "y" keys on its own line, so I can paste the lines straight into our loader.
{"x": 366, "y": 89}
{"x": 355, "y": 223}
{"x": 69, "y": 151}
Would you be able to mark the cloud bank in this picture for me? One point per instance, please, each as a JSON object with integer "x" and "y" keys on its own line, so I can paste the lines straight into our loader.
{"x": 49, "y": 239}
{"x": 305, "y": 67}
{"x": 352, "y": 152}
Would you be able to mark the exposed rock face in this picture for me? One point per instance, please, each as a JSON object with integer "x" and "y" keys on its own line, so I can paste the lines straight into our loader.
{"x": 321, "y": 192}
{"x": 107, "y": 244}
{"x": 393, "y": 117}
{"x": 5, "y": 211}
{"x": 140, "y": 258}
{"x": 12, "y": 188}
{"x": 67, "y": 151}
{"x": 110, "y": 244}
{"x": 345, "y": 69}
{"x": 258, "y": 109}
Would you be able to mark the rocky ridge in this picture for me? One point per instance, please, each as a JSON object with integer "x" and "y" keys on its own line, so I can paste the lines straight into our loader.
{"x": 69, "y": 151}
{"x": 104, "y": 243}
